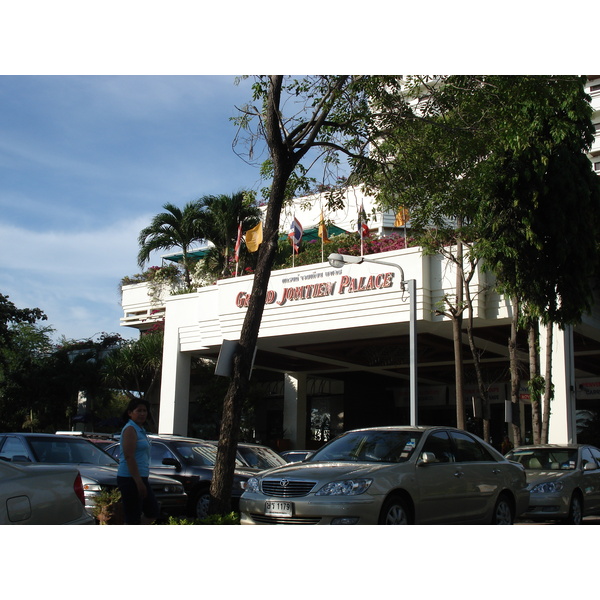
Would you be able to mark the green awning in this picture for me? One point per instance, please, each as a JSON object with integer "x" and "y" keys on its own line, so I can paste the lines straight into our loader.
{"x": 312, "y": 234}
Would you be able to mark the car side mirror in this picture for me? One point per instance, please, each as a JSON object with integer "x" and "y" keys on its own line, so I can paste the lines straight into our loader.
{"x": 20, "y": 458}
{"x": 426, "y": 459}
{"x": 172, "y": 462}
{"x": 589, "y": 466}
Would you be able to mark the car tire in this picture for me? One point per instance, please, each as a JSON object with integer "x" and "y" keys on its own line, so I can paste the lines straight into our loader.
{"x": 504, "y": 513}
{"x": 395, "y": 512}
{"x": 575, "y": 511}
{"x": 201, "y": 502}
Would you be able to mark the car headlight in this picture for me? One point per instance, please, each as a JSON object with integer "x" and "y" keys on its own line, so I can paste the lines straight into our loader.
{"x": 349, "y": 487}
{"x": 549, "y": 487}
{"x": 252, "y": 485}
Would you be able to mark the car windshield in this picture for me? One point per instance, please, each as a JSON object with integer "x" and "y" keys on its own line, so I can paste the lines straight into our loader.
{"x": 258, "y": 457}
{"x": 199, "y": 455}
{"x": 74, "y": 451}
{"x": 545, "y": 459}
{"x": 369, "y": 446}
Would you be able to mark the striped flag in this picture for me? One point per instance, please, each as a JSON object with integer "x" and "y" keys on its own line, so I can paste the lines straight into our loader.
{"x": 363, "y": 227}
{"x": 295, "y": 234}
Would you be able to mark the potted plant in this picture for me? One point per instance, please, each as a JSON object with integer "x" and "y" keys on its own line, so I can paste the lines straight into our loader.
{"x": 109, "y": 509}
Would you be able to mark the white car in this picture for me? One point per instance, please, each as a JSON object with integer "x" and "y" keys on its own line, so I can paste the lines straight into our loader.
{"x": 41, "y": 495}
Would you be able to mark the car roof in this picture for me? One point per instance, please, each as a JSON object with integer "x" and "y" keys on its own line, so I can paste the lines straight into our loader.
{"x": 175, "y": 438}
{"x": 550, "y": 447}
{"x": 28, "y": 434}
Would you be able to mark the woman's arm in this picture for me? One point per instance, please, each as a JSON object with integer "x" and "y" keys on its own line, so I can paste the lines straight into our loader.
{"x": 129, "y": 443}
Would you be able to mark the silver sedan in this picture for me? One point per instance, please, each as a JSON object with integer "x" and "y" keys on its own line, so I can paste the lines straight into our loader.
{"x": 391, "y": 475}
{"x": 564, "y": 481}
{"x": 41, "y": 495}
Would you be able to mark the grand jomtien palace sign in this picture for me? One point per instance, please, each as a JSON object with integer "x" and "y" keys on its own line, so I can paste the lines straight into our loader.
{"x": 309, "y": 289}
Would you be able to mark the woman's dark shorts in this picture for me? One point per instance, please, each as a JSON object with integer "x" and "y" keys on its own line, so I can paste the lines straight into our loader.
{"x": 133, "y": 505}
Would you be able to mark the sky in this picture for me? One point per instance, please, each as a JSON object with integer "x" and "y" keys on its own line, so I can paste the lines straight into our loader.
{"x": 103, "y": 120}
{"x": 85, "y": 163}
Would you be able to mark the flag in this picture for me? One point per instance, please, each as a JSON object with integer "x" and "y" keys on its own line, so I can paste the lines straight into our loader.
{"x": 323, "y": 229}
{"x": 254, "y": 238}
{"x": 295, "y": 234}
{"x": 401, "y": 217}
{"x": 363, "y": 227}
{"x": 238, "y": 243}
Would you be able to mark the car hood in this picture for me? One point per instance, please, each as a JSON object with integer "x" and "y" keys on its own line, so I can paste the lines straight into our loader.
{"x": 534, "y": 476}
{"x": 107, "y": 475}
{"x": 320, "y": 471}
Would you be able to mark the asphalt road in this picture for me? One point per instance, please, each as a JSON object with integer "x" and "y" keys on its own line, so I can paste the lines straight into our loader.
{"x": 595, "y": 520}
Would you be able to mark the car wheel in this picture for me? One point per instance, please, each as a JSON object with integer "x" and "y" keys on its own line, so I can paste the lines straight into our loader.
{"x": 202, "y": 502}
{"x": 394, "y": 512}
{"x": 503, "y": 511}
{"x": 575, "y": 511}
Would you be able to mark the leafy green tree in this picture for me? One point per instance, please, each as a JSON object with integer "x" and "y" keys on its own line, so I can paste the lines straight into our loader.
{"x": 175, "y": 228}
{"x": 135, "y": 368}
{"x": 294, "y": 118}
{"x": 497, "y": 166}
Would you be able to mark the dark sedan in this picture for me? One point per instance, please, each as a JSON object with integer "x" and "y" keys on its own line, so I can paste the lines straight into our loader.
{"x": 191, "y": 461}
{"x": 98, "y": 469}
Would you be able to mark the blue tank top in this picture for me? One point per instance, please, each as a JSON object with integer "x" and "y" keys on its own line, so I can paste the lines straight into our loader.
{"x": 142, "y": 452}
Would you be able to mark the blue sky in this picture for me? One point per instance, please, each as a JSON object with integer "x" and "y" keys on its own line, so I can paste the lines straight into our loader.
{"x": 85, "y": 162}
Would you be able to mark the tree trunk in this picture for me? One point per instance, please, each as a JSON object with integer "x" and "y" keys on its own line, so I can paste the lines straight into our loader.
{"x": 483, "y": 393}
{"x": 242, "y": 362}
{"x": 283, "y": 166}
{"x": 535, "y": 380}
{"x": 515, "y": 379}
{"x": 457, "y": 322}
{"x": 548, "y": 387}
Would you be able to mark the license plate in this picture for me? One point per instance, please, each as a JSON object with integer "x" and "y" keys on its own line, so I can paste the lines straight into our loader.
{"x": 276, "y": 508}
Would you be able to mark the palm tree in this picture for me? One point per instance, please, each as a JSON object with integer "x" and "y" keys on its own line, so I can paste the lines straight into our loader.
{"x": 176, "y": 228}
{"x": 221, "y": 216}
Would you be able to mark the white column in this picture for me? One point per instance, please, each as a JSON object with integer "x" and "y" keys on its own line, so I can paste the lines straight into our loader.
{"x": 562, "y": 428}
{"x": 175, "y": 384}
{"x": 294, "y": 408}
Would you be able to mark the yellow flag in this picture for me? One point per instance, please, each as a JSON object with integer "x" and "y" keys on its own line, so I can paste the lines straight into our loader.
{"x": 401, "y": 217}
{"x": 323, "y": 229}
{"x": 254, "y": 238}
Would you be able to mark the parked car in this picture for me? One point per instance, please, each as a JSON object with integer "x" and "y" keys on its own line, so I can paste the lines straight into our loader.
{"x": 41, "y": 495}
{"x": 564, "y": 481}
{"x": 256, "y": 456}
{"x": 98, "y": 469}
{"x": 394, "y": 476}
{"x": 291, "y": 456}
{"x": 190, "y": 461}
{"x": 100, "y": 439}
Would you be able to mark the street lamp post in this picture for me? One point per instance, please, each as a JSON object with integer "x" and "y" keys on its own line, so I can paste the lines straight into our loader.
{"x": 337, "y": 261}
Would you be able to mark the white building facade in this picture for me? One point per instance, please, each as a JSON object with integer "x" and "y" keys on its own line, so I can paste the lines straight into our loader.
{"x": 334, "y": 343}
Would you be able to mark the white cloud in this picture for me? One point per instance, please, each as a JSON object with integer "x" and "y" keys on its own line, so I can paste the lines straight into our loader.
{"x": 73, "y": 277}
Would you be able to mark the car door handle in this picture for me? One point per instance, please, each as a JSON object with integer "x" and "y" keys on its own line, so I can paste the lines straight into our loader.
{"x": 496, "y": 471}
{"x": 458, "y": 474}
